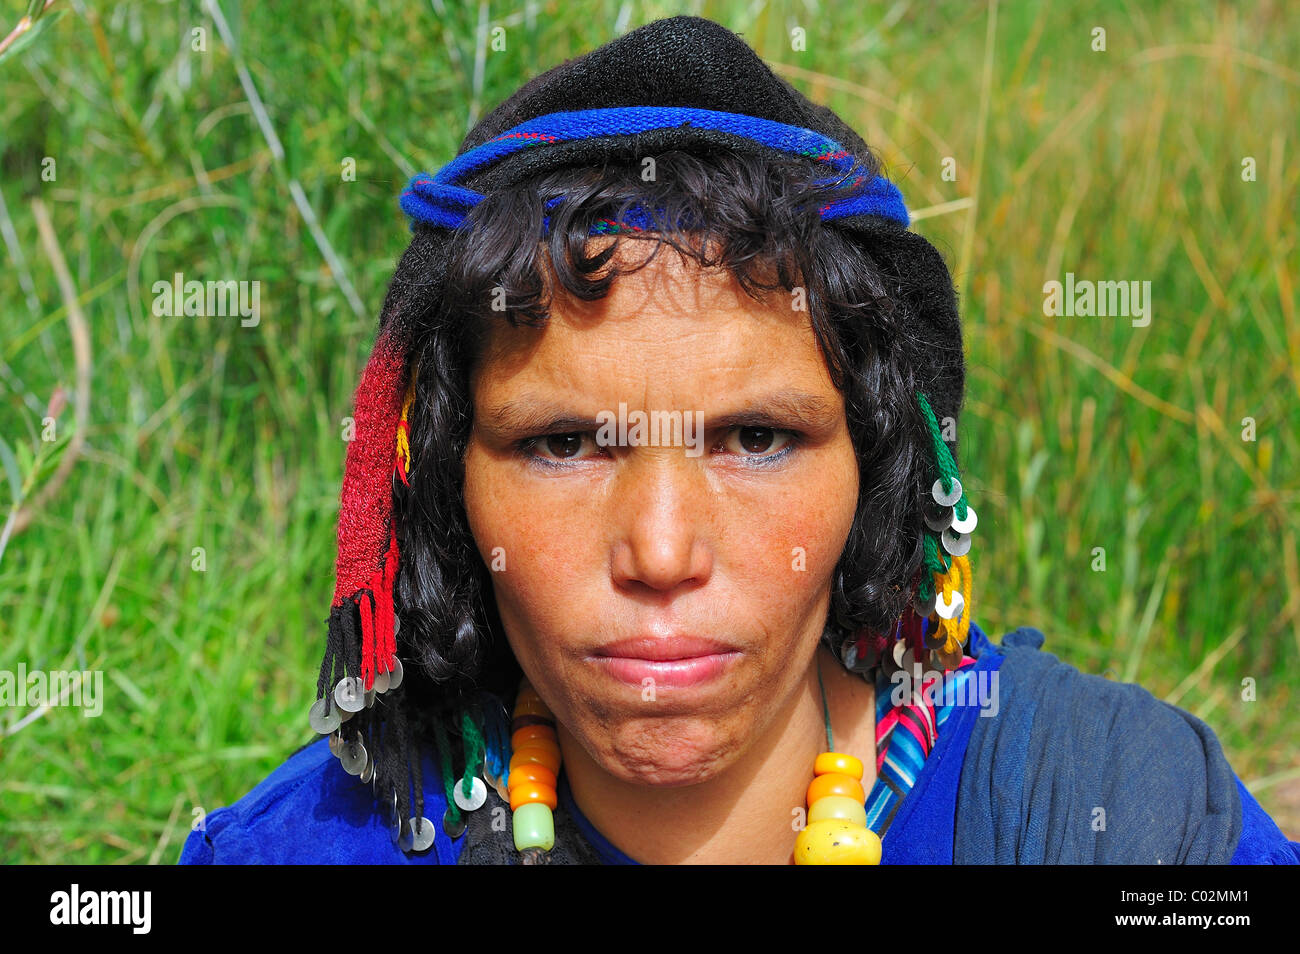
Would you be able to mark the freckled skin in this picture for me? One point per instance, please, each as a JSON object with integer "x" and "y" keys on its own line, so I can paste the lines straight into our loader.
{"x": 632, "y": 541}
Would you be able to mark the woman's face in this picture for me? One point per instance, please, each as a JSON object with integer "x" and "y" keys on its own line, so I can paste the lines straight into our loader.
{"x": 729, "y": 531}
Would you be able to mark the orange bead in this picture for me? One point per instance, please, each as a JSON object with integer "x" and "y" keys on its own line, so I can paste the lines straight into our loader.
{"x": 550, "y": 754}
{"x": 530, "y": 732}
{"x": 551, "y": 745}
{"x": 829, "y": 762}
{"x": 836, "y": 783}
{"x": 531, "y": 773}
{"x": 534, "y": 753}
{"x": 532, "y": 793}
{"x": 531, "y": 705}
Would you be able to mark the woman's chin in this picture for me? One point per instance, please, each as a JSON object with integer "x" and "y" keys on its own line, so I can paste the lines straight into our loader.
{"x": 666, "y": 755}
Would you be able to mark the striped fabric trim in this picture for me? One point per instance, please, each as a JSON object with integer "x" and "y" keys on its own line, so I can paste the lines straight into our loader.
{"x": 905, "y": 736}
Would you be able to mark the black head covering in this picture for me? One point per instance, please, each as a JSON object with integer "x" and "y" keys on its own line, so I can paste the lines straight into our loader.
{"x": 693, "y": 62}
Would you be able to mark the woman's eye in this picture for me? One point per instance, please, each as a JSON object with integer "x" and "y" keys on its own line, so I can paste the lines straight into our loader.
{"x": 758, "y": 441}
{"x": 558, "y": 446}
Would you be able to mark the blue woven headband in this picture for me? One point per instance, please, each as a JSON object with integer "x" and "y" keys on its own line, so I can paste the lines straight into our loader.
{"x": 441, "y": 200}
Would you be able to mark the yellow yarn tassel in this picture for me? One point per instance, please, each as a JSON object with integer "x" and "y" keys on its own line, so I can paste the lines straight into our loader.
{"x": 403, "y": 440}
{"x": 959, "y": 578}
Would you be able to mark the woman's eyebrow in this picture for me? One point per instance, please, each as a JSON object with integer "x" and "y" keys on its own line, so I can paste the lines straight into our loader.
{"x": 525, "y": 416}
{"x": 788, "y": 407}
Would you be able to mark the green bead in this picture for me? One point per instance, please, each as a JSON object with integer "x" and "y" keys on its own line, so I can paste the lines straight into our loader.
{"x": 534, "y": 827}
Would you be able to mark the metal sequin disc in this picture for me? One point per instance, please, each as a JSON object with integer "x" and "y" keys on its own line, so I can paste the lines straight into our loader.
{"x": 381, "y": 682}
{"x": 395, "y": 677}
{"x": 453, "y": 831}
{"x": 368, "y": 773}
{"x": 935, "y": 639}
{"x": 900, "y": 654}
{"x": 350, "y": 694}
{"x": 494, "y": 781}
{"x": 421, "y": 834}
{"x": 949, "y": 610}
{"x": 344, "y": 714}
{"x": 958, "y": 544}
{"x": 354, "y": 757}
{"x": 498, "y": 782}
{"x": 923, "y": 607}
{"x": 477, "y": 794}
{"x": 397, "y": 624}
{"x": 321, "y": 720}
{"x": 905, "y": 659}
{"x": 394, "y": 822}
{"x": 370, "y": 698}
{"x": 967, "y": 525}
{"x": 405, "y": 839}
{"x": 948, "y": 499}
{"x": 936, "y": 518}
{"x": 336, "y": 743}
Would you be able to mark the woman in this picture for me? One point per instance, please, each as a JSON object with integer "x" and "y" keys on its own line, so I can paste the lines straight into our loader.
{"x": 653, "y": 542}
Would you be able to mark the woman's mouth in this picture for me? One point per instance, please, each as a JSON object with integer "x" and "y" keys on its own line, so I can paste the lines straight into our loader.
{"x": 668, "y": 661}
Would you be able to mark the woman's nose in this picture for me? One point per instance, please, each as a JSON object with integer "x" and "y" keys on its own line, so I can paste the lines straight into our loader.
{"x": 662, "y": 506}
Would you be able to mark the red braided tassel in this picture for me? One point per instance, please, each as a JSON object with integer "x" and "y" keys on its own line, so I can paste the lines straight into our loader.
{"x": 912, "y": 632}
{"x": 378, "y": 643}
{"x": 366, "y": 601}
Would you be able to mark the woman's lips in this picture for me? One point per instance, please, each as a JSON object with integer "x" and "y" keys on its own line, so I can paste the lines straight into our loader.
{"x": 675, "y": 673}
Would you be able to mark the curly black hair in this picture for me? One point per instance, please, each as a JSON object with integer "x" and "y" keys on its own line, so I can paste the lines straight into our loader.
{"x": 757, "y": 216}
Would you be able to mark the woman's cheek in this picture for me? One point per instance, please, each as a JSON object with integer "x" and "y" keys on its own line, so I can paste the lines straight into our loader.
{"x": 798, "y": 554}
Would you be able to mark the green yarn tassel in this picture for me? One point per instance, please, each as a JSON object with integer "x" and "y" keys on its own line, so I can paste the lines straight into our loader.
{"x": 475, "y": 749}
{"x": 933, "y": 560}
{"x": 942, "y": 456}
{"x": 931, "y": 563}
{"x": 448, "y": 778}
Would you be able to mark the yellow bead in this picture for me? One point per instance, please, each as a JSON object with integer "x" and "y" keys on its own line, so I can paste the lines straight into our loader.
{"x": 833, "y": 841}
{"x": 838, "y": 806}
{"x": 829, "y": 762}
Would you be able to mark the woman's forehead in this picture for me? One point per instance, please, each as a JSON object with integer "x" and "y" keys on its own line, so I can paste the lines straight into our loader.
{"x": 671, "y": 327}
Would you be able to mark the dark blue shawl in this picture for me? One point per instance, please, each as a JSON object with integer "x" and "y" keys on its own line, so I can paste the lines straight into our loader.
{"x": 1081, "y": 770}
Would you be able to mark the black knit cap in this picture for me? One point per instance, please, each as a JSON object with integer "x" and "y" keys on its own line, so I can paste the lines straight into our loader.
{"x": 693, "y": 62}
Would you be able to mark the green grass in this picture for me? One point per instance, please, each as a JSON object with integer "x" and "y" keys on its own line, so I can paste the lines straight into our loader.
{"x": 1078, "y": 432}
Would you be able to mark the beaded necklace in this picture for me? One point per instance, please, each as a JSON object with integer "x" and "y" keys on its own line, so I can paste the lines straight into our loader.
{"x": 836, "y": 832}
{"x": 534, "y": 770}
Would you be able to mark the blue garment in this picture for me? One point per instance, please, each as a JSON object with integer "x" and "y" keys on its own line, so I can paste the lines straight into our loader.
{"x": 976, "y": 799}
{"x": 1082, "y": 770}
